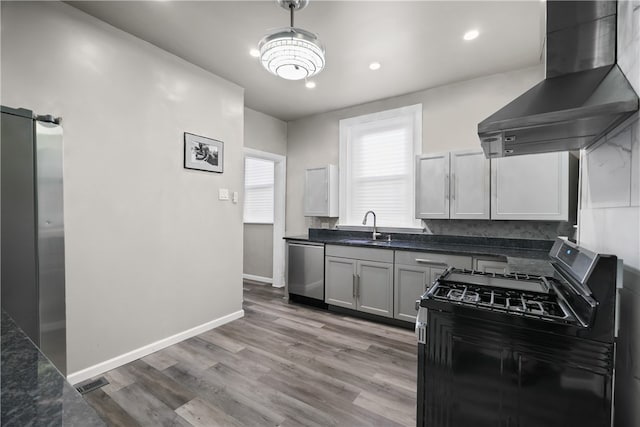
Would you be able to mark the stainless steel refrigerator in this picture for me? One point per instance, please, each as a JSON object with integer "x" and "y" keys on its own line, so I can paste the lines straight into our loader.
{"x": 32, "y": 229}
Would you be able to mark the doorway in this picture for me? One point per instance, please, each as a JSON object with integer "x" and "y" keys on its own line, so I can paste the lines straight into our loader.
{"x": 264, "y": 217}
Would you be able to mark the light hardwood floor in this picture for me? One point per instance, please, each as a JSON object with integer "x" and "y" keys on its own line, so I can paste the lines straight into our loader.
{"x": 283, "y": 364}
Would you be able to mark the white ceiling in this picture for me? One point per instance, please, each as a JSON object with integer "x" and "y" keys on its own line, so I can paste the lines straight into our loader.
{"x": 418, "y": 43}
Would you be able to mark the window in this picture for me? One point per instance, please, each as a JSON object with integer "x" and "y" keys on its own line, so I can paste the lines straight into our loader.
{"x": 377, "y": 161}
{"x": 258, "y": 190}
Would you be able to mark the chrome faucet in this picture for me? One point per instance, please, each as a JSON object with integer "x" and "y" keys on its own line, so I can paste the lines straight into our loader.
{"x": 364, "y": 222}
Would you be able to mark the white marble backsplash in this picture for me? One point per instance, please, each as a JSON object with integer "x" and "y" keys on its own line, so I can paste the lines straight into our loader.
{"x": 629, "y": 41}
{"x": 610, "y": 169}
{"x": 610, "y": 199}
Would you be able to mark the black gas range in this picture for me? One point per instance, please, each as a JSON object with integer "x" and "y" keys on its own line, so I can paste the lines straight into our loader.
{"x": 517, "y": 349}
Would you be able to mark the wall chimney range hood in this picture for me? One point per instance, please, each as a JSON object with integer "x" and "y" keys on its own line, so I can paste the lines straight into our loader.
{"x": 584, "y": 95}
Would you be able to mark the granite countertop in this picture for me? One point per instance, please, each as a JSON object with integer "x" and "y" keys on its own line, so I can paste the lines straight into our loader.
{"x": 34, "y": 392}
{"x": 522, "y": 255}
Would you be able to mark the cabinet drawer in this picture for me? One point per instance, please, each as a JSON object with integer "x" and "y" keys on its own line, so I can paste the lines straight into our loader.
{"x": 431, "y": 259}
{"x": 380, "y": 255}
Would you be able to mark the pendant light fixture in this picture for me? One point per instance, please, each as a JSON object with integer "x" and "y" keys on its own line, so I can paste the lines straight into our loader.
{"x": 292, "y": 53}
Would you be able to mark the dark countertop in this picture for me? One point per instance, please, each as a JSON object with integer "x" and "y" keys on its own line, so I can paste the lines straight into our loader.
{"x": 34, "y": 392}
{"x": 522, "y": 255}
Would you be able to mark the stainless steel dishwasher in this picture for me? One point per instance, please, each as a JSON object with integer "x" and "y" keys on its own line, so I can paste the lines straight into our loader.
{"x": 305, "y": 271}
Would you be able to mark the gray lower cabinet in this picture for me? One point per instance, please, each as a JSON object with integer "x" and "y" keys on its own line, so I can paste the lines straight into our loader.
{"x": 360, "y": 279}
{"x": 340, "y": 282}
{"x": 374, "y": 288}
{"x": 414, "y": 273}
{"x": 410, "y": 282}
{"x": 385, "y": 282}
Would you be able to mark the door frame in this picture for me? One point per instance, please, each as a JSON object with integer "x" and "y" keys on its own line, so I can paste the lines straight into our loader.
{"x": 279, "y": 209}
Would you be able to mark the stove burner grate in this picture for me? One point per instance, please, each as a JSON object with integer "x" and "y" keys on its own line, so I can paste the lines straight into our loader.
{"x": 514, "y": 300}
{"x": 463, "y": 295}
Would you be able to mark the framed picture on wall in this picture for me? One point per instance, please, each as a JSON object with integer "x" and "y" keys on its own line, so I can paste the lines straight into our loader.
{"x": 203, "y": 154}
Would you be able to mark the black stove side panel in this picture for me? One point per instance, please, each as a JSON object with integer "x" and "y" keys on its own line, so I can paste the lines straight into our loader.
{"x": 602, "y": 283}
{"x": 483, "y": 373}
{"x": 422, "y": 348}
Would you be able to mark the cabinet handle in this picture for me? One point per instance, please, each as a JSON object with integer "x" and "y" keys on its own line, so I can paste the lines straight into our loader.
{"x": 357, "y": 285}
{"x": 446, "y": 186}
{"x": 326, "y": 193}
{"x": 453, "y": 186}
{"x": 429, "y": 261}
{"x": 353, "y": 286}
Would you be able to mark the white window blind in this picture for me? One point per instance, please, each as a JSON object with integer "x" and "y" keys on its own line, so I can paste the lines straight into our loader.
{"x": 377, "y": 158}
{"x": 258, "y": 190}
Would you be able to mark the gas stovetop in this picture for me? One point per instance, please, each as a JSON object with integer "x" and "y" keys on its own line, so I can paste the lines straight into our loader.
{"x": 517, "y": 294}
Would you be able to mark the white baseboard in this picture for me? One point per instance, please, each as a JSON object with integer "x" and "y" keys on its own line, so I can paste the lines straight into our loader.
{"x": 146, "y": 350}
{"x": 258, "y": 278}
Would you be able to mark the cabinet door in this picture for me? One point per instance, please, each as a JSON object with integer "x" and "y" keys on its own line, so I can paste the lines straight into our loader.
{"x": 533, "y": 187}
{"x": 374, "y": 288}
{"x": 340, "y": 277}
{"x": 316, "y": 192}
{"x": 470, "y": 185}
{"x": 432, "y": 186}
{"x": 410, "y": 282}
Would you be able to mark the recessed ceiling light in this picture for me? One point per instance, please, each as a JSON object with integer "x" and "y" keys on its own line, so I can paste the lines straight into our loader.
{"x": 470, "y": 35}
{"x": 255, "y": 53}
{"x": 310, "y": 85}
{"x": 374, "y": 66}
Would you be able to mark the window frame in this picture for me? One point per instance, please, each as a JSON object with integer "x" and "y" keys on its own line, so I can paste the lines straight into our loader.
{"x": 348, "y": 128}
{"x": 259, "y": 186}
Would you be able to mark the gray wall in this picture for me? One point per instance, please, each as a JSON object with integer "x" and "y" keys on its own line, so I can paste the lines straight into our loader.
{"x": 258, "y": 250}
{"x": 150, "y": 251}
{"x": 265, "y": 133}
{"x": 449, "y": 122}
{"x": 610, "y": 217}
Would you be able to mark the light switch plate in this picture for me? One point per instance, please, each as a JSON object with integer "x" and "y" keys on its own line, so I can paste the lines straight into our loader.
{"x": 223, "y": 194}
{"x": 234, "y": 197}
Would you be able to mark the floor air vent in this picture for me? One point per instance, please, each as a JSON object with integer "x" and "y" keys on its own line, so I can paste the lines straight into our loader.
{"x": 92, "y": 385}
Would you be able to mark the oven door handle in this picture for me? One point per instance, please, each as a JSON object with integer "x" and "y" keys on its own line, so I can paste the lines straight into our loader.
{"x": 421, "y": 324}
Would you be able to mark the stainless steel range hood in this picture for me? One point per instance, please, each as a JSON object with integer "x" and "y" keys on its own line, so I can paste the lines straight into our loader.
{"x": 584, "y": 95}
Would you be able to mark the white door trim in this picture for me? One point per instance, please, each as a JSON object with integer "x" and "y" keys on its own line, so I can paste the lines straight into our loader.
{"x": 279, "y": 206}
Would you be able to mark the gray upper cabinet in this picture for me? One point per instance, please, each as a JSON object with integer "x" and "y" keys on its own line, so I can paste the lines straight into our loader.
{"x": 432, "y": 186}
{"x": 470, "y": 185}
{"x": 321, "y": 191}
{"x": 453, "y": 185}
{"x": 531, "y": 187}
{"x": 359, "y": 279}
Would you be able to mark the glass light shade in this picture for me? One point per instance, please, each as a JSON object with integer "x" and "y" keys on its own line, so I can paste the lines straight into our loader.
{"x": 292, "y": 53}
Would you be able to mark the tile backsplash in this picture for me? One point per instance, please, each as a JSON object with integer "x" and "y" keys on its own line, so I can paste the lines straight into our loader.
{"x": 546, "y": 230}
{"x": 506, "y": 229}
